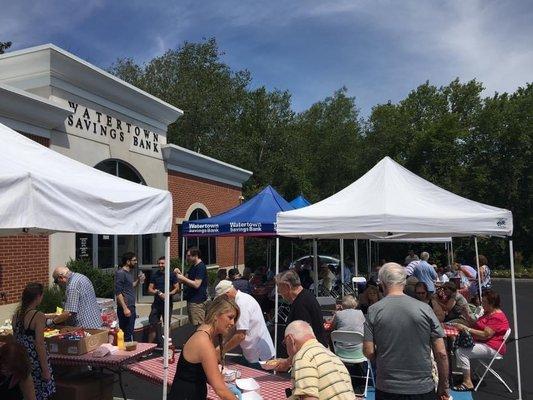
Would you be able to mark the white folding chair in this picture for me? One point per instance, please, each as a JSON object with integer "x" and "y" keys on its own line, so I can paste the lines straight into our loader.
{"x": 348, "y": 346}
{"x": 488, "y": 366}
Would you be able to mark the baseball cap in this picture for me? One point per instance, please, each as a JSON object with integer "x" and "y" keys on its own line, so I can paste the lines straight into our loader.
{"x": 223, "y": 287}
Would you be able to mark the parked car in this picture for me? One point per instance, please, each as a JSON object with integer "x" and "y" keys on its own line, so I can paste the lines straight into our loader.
{"x": 330, "y": 261}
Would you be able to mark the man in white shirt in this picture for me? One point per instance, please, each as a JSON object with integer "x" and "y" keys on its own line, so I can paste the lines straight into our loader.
{"x": 251, "y": 332}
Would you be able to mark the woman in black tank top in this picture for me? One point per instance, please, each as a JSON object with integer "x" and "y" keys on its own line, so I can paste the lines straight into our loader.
{"x": 198, "y": 362}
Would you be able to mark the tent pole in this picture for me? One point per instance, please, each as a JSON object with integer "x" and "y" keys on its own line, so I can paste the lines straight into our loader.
{"x": 238, "y": 240}
{"x": 292, "y": 251}
{"x": 166, "y": 327}
{"x": 182, "y": 270}
{"x": 478, "y": 269}
{"x": 452, "y": 256}
{"x": 276, "y": 301}
{"x": 515, "y": 319}
{"x": 342, "y": 266}
{"x": 315, "y": 265}
{"x": 369, "y": 256}
{"x": 356, "y": 256}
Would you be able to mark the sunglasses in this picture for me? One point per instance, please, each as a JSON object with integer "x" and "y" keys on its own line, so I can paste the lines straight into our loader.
{"x": 56, "y": 279}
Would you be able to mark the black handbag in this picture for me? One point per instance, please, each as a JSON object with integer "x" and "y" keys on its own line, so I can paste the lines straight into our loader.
{"x": 464, "y": 339}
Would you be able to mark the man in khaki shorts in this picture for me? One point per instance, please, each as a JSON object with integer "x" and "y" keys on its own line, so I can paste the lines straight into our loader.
{"x": 195, "y": 286}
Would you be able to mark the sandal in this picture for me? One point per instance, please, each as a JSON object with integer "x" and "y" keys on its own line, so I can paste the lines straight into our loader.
{"x": 463, "y": 388}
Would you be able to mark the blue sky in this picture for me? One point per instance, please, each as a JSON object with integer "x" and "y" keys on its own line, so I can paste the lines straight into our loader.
{"x": 379, "y": 50}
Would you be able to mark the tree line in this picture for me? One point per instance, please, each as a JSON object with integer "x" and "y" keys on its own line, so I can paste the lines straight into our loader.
{"x": 477, "y": 147}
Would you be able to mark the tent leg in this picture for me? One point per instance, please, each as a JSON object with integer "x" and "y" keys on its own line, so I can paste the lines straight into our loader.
{"x": 342, "y": 266}
{"x": 315, "y": 265}
{"x": 478, "y": 270}
{"x": 369, "y": 256}
{"x": 183, "y": 242}
{"x": 276, "y": 305}
{"x": 452, "y": 256}
{"x": 515, "y": 319}
{"x": 166, "y": 327}
{"x": 356, "y": 256}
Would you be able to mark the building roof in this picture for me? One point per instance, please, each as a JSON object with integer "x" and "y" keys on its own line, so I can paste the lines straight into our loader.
{"x": 49, "y": 65}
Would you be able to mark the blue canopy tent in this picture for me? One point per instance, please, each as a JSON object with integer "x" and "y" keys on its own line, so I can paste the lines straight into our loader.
{"x": 254, "y": 218}
{"x": 300, "y": 202}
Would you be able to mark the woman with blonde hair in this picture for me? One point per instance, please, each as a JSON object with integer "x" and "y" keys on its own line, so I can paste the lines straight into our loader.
{"x": 198, "y": 363}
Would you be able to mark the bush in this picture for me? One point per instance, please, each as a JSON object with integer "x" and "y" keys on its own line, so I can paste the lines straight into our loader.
{"x": 103, "y": 282}
{"x": 53, "y": 297}
{"x": 521, "y": 273}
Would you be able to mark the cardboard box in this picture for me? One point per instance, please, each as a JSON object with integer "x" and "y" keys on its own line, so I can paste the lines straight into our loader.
{"x": 89, "y": 386}
{"x": 57, "y": 345}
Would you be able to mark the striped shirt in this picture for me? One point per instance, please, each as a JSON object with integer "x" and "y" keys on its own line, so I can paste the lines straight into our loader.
{"x": 81, "y": 302}
{"x": 317, "y": 372}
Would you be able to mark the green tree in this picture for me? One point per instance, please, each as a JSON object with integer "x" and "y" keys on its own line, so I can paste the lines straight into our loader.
{"x": 4, "y": 46}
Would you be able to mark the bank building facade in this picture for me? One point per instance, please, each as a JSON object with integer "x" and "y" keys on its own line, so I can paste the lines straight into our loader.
{"x": 89, "y": 115}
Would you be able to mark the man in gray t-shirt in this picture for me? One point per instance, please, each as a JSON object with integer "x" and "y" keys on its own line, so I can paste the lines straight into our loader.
{"x": 400, "y": 333}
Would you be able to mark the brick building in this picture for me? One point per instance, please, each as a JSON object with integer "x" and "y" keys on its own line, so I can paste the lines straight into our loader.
{"x": 83, "y": 112}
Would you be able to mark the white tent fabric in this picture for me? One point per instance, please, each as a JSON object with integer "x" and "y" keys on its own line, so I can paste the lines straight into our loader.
{"x": 391, "y": 202}
{"x": 414, "y": 240}
{"x": 44, "y": 191}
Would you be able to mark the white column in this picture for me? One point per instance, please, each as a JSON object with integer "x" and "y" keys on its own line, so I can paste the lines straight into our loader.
{"x": 478, "y": 270}
{"x": 515, "y": 319}
{"x": 342, "y": 266}
{"x": 166, "y": 327}
{"x": 276, "y": 301}
{"x": 315, "y": 265}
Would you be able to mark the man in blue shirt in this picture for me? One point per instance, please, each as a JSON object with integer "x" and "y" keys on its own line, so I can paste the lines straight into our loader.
{"x": 195, "y": 286}
{"x": 157, "y": 288}
{"x": 424, "y": 272}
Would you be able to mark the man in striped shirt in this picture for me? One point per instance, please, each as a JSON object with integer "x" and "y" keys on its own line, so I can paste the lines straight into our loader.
{"x": 317, "y": 373}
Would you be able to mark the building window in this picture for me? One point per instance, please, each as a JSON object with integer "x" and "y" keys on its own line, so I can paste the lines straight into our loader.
{"x": 105, "y": 251}
{"x": 207, "y": 245}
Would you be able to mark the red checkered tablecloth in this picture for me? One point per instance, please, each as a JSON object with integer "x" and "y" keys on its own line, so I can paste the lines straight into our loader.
{"x": 152, "y": 370}
{"x": 450, "y": 330}
{"x": 272, "y": 386}
{"x": 118, "y": 359}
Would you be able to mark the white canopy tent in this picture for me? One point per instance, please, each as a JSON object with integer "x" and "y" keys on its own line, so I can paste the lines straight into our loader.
{"x": 391, "y": 202}
{"x": 42, "y": 192}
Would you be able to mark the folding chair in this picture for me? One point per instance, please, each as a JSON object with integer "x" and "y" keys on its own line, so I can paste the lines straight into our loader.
{"x": 326, "y": 301}
{"x": 488, "y": 366}
{"x": 352, "y": 355}
{"x": 356, "y": 280}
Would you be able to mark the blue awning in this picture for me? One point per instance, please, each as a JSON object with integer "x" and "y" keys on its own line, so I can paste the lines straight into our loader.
{"x": 256, "y": 217}
{"x": 300, "y": 202}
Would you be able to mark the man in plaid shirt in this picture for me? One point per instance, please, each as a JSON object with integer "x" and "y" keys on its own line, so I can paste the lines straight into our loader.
{"x": 81, "y": 308}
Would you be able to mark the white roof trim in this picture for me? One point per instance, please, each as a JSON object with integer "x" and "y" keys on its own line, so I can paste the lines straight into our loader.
{"x": 186, "y": 161}
{"x": 146, "y": 103}
{"x": 23, "y": 106}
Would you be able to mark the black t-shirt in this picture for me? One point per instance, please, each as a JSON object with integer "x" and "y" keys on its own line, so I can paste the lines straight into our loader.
{"x": 158, "y": 280}
{"x": 305, "y": 307}
{"x": 192, "y": 295}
